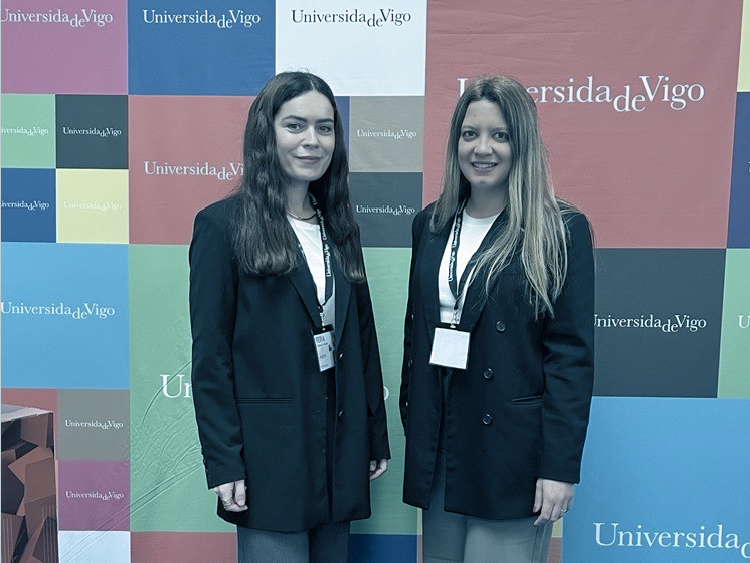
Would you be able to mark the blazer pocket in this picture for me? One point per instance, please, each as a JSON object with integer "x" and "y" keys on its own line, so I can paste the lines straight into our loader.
{"x": 529, "y": 400}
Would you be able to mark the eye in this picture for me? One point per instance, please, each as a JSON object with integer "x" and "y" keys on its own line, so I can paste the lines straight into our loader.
{"x": 468, "y": 135}
{"x": 325, "y": 129}
{"x": 293, "y": 126}
{"x": 502, "y": 136}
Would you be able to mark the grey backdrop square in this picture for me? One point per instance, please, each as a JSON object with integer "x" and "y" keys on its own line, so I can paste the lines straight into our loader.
{"x": 658, "y": 322}
{"x": 91, "y": 131}
{"x": 93, "y": 424}
{"x": 386, "y": 133}
{"x": 385, "y": 204}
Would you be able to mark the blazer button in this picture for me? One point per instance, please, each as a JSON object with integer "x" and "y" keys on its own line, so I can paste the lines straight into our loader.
{"x": 488, "y": 373}
{"x": 341, "y": 356}
{"x": 500, "y": 326}
{"x": 487, "y": 419}
{"x": 341, "y": 414}
{"x": 408, "y": 364}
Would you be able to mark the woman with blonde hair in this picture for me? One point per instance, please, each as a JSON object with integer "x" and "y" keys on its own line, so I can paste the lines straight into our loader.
{"x": 498, "y": 347}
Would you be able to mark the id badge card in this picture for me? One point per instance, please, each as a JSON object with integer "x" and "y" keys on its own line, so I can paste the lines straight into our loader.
{"x": 325, "y": 345}
{"x": 450, "y": 348}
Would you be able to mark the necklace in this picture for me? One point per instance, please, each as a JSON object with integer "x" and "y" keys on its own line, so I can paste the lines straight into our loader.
{"x": 300, "y": 218}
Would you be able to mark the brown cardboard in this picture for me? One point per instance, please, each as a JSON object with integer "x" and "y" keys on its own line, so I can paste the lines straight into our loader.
{"x": 29, "y": 498}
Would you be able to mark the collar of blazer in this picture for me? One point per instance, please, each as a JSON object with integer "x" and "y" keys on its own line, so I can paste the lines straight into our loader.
{"x": 303, "y": 282}
{"x": 433, "y": 255}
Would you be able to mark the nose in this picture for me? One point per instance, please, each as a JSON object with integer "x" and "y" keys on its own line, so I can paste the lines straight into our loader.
{"x": 483, "y": 145}
{"x": 311, "y": 137}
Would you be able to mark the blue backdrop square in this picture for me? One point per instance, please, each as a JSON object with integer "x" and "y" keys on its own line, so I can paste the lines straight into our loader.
{"x": 377, "y": 548}
{"x": 28, "y": 205}
{"x": 739, "y": 201}
{"x": 663, "y": 480}
{"x": 65, "y": 316}
{"x": 189, "y": 47}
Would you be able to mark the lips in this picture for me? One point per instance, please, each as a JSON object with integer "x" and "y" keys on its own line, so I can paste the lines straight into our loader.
{"x": 484, "y": 165}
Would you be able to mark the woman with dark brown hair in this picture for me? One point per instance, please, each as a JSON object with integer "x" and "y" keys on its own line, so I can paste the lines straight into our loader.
{"x": 286, "y": 375}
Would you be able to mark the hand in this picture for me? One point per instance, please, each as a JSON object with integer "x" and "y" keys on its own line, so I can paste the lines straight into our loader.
{"x": 552, "y": 500}
{"x": 377, "y": 468}
{"x": 232, "y": 495}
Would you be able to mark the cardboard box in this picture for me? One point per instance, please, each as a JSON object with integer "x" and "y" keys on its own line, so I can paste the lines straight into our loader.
{"x": 29, "y": 498}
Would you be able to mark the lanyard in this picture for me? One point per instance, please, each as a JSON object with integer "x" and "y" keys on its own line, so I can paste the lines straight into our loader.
{"x": 457, "y": 289}
{"x": 326, "y": 257}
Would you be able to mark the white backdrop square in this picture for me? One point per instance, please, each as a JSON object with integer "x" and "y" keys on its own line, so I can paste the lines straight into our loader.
{"x": 94, "y": 547}
{"x": 360, "y": 48}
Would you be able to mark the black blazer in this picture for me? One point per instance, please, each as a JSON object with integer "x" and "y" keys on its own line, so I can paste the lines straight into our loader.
{"x": 520, "y": 409}
{"x": 260, "y": 399}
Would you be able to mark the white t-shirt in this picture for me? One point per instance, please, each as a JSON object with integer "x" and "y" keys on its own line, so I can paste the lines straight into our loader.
{"x": 473, "y": 232}
{"x": 308, "y": 235}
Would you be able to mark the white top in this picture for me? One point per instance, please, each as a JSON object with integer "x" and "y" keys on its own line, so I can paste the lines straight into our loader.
{"x": 473, "y": 232}
{"x": 308, "y": 235}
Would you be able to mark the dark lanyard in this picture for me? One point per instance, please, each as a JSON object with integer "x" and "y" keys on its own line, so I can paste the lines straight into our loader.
{"x": 458, "y": 289}
{"x": 326, "y": 257}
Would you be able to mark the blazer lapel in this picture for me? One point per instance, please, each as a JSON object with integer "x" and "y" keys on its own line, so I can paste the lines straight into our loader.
{"x": 473, "y": 305}
{"x": 341, "y": 293}
{"x": 475, "y": 295}
{"x": 303, "y": 282}
{"x": 428, "y": 279}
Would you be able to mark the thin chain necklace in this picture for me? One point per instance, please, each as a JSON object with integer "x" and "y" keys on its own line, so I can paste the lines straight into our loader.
{"x": 300, "y": 218}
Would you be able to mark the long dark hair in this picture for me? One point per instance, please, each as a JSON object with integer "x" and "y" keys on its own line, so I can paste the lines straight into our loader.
{"x": 263, "y": 241}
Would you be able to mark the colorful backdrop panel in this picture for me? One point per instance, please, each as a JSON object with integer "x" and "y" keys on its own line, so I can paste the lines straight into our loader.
{"x": 122, "y": 119}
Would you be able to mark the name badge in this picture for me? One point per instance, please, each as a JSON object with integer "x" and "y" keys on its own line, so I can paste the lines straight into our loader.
{"x": 325, "y": 346}
{"x": 450, "y": 348}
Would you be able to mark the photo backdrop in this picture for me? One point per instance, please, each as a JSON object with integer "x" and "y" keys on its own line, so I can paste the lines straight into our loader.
{"x": 122, "y": 119}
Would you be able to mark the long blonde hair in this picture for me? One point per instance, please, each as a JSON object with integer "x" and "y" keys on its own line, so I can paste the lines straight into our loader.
{"x": 535, "y": 219}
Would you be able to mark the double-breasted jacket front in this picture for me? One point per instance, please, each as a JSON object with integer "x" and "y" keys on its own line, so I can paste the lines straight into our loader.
{"x": 520, "y": 409}
{"x": 263, "y": 405}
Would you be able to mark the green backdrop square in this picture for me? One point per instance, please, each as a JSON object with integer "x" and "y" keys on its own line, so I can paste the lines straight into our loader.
{"x": 28, "y": 131}
{"x": 734, "y": 368}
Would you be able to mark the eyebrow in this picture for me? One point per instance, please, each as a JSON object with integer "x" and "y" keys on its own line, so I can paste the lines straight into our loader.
{"x": 472, "y": 127}
{"x": 300, "y": 118}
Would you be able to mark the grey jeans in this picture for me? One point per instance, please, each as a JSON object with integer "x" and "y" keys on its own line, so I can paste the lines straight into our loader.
{"x": 325, "y": 544}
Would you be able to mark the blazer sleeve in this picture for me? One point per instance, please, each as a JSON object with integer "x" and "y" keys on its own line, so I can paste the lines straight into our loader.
{"x": 377, "y": 425}
{"x": 213, "y": 296}
{"x": 417, "y": 227}
{"x": 568, "y": 341}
